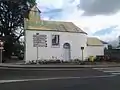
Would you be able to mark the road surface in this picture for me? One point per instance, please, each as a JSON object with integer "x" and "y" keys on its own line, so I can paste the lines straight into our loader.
{"x": 61, "y": 79}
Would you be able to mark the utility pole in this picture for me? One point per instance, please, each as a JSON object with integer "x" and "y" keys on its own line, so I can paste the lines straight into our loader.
{"x": 37, "y": 53}
{"x": 1, "y": 50}
{"x": 82, "y": 48}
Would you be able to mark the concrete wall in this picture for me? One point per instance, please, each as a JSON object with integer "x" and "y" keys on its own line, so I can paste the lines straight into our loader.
{"x": 95, "y": 50}
{"x": 76, "y": 40}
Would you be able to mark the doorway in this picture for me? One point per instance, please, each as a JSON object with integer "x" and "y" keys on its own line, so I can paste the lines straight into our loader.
{"x": 67, "y": 53}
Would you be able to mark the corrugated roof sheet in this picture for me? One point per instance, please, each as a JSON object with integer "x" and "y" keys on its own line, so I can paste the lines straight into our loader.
{"x": 35, "y": 23}
{"x": 54, "y": 25}
{"x": 92, "y": 41}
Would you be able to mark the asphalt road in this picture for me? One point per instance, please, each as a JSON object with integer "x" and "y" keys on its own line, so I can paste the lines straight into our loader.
{"x": 8, "y": 74}
{"x": 82, "y": 79}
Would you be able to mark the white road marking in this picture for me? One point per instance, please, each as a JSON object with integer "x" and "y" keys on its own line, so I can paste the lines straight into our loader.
{"x": 56, "y": 78}
{"x": 116, "y": 73}
{"x": 111, "y": 71}
{"x": 9, "y": 81}
{"x": 42, "y": 69}
{"x": 98, "y": 68}
{"x": 107, "y": 68}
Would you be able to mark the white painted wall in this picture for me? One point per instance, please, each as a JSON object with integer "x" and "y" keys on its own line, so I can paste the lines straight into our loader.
{"x": 76, "y": 40}
{"x": 95, "y": 50}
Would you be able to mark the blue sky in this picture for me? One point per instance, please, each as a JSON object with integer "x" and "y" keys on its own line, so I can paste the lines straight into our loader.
{"x": 100, "y": 18}
{"x": 105, "y": 31}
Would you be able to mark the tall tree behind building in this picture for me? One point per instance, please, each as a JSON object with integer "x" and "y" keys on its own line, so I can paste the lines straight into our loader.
{"x": 12, "y": 13}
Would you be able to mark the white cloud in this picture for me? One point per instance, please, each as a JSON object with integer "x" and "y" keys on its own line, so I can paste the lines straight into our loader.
{"x": 101, "y": 7}
{"x": 97, "y": 22}
{"x": 112, "y": 36}
{"x": 50, "y": 3}
{"x": 90, "y": 24}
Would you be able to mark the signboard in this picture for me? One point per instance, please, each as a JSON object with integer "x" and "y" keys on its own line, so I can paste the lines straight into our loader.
{"x": 1, "y": 44}
{"x": 82, "y": 48}
{"x": 1, "y": 48}
{"x": 39, "y": 40}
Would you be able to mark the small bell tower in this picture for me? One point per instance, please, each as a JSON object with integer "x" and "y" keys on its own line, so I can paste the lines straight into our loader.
{"x": 34, "y": 14}
{"x": 33, "y": 17}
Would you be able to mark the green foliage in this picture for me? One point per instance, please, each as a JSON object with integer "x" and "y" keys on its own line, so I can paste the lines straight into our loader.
{"x": 31, "y": 1}
{"x": 110, "y": 47}
{"x": 12, "y": 13}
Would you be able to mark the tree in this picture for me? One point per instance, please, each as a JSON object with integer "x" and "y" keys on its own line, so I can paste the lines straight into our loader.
{"x": 12, "y": 13}
{"x": 110, "y": 47}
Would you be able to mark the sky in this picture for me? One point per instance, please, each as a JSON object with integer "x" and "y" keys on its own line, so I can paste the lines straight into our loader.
{"x": 99, "y": 18}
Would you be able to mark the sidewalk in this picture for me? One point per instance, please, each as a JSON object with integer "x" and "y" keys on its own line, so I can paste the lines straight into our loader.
{"x": 11, "y": 65}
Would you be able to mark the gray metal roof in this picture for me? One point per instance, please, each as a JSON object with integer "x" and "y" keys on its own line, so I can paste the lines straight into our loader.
{"x": 35, "y": 23}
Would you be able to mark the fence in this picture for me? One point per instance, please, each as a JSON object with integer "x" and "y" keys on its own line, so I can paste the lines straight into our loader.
{"x": 114, "y": 54}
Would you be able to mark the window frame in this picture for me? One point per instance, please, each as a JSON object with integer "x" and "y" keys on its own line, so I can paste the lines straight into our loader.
{"x": 53, "y": 44}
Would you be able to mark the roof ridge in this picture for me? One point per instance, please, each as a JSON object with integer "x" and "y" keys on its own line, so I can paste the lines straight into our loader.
{"x": 35, "y": 6}
{"x": 56, "y": 21}
{"x": 92, "y": 37}
{"x": 66, "y": 26}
